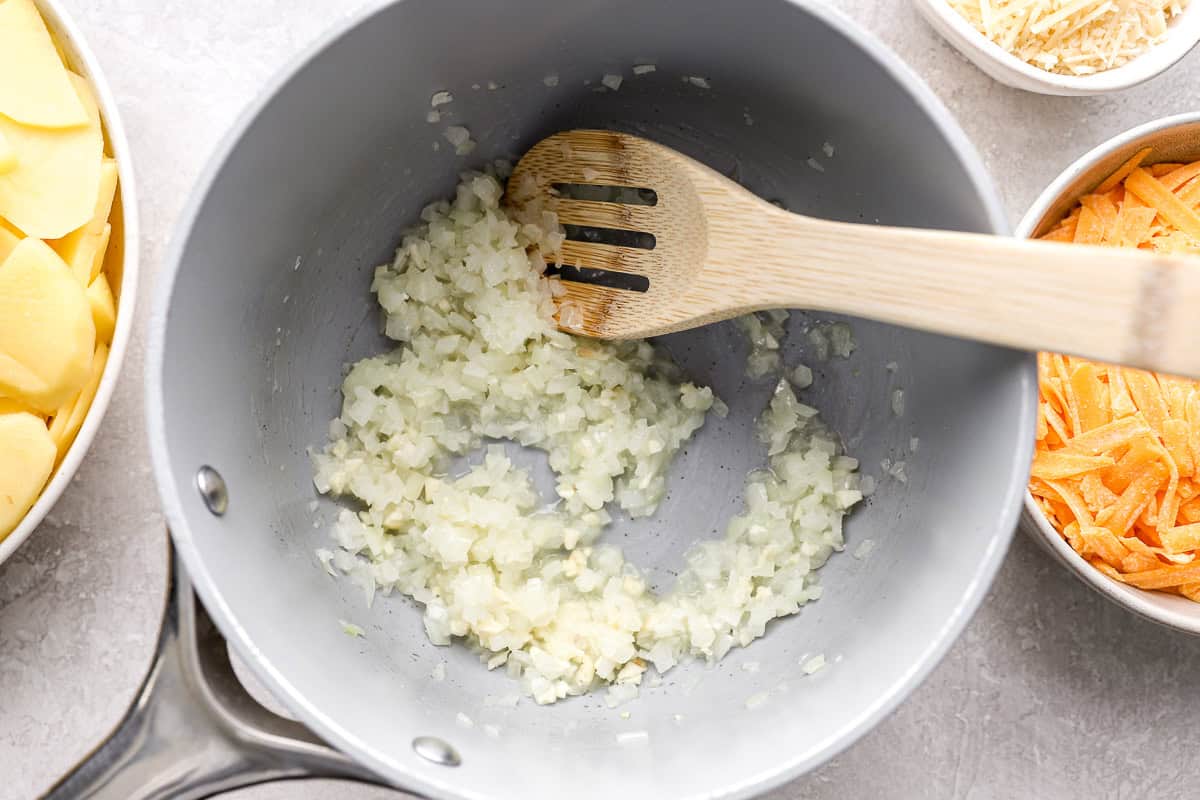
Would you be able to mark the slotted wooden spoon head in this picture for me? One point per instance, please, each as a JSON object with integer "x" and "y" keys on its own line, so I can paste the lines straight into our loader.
{"x": 683, "y": 246}
{"x": 637, "y": 233}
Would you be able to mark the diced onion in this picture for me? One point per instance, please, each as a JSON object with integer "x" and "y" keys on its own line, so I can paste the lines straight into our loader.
{"x": 479, "y": 360}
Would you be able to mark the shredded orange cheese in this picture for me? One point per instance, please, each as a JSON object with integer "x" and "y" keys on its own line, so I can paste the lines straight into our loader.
{"x": 1072, "y": 37}
{"x": 1117, "y": 464}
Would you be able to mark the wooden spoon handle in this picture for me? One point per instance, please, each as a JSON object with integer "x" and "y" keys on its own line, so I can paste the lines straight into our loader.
{"x": 1117, "y": 305}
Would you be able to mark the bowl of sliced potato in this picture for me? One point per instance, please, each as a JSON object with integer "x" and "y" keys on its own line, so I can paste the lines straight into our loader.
{"x": 68, "y": 258}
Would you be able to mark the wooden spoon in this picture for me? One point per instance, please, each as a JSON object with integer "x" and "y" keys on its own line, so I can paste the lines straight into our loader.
{"x": 705, "y": 249}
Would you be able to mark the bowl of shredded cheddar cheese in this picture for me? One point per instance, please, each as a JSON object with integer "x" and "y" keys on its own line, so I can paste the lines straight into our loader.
{"x": 1114, "y": 489}
{"x": 1068, "y": 47}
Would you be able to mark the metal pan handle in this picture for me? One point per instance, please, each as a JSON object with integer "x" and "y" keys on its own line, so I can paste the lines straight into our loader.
{"x": 193, "y": 730}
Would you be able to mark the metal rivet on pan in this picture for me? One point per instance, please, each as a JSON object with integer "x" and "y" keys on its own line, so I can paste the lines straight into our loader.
{"x": 434, "y": 749}
{"x": 212, "y": 490}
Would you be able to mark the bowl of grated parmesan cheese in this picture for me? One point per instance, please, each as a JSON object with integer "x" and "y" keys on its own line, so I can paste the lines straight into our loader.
{"x": 1068, "y": 47}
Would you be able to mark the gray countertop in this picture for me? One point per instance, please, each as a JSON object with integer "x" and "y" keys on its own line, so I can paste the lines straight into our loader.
{"x": 1051, "y": 693}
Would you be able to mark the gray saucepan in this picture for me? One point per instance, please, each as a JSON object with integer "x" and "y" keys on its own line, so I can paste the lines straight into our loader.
{"x": 265, "y": 298}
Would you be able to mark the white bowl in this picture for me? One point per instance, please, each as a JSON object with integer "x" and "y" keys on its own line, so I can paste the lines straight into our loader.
{"x": 123, "y": 251}
{"x": 1173, "y": 139}
{"x": 1183, "y": 35}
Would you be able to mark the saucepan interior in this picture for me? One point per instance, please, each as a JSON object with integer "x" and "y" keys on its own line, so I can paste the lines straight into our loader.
{"x": 1171, "y": 139}
{"x": 267, "y": 300}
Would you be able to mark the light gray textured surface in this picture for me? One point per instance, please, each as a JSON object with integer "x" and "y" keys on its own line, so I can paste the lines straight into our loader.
{"x": 1051, "y": 693}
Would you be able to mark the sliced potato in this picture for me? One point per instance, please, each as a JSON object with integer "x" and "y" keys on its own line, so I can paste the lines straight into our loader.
{"x": 47, "y": 336}
{"x": 104, "y": 308}
{"x": 69, "y": 245}
{"x": 81, "y": 256}
{"x": 53, "y": 188}
{"x": 63, "y": 435}
{"x": 8, "y": 240}
{"x": 11, "y": 406}
{"x": 101, "y": 251}
{"x": 8, "y": 156}
{"x": 58, "y": 423}
{"x": 29, "y": 456}
{"x": 34, "y": 85}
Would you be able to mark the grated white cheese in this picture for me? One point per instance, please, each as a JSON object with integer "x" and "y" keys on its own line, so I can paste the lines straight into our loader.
{"x": 1072, "y": 37}
{"x": 644, "y": 69}
{"x": 814, "y": 664}
{"x": 440, "y": 99}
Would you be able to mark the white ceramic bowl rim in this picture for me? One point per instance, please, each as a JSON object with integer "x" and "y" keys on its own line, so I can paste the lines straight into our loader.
{"x": 1144, "y": 603}
{"x": 1183, "y": 35}
{"x": 71, "y": 38}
